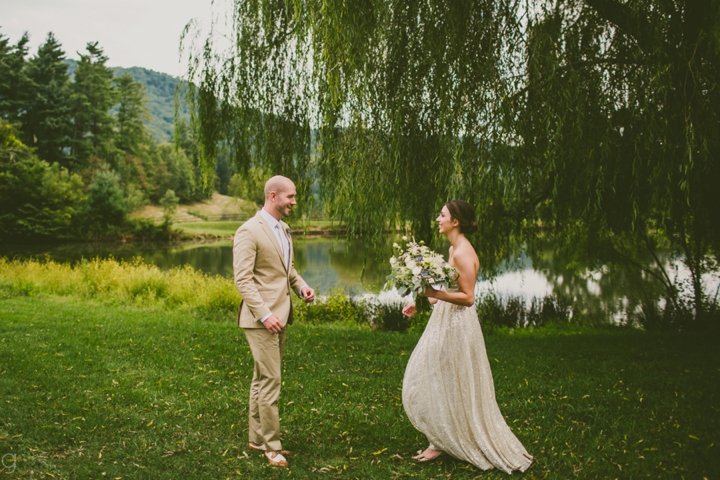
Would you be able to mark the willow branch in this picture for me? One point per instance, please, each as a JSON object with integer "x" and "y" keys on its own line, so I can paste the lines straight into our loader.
{"x": 625, "y": 19}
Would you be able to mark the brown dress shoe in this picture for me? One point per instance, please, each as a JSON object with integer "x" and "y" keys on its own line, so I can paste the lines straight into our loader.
{"x": 276, "y": 459}
{"x": 262, "y": 448}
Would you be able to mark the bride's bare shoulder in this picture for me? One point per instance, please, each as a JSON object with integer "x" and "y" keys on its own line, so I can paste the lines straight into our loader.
{"x": 467, "y": 252}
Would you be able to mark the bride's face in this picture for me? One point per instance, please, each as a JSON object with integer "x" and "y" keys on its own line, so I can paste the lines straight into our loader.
{"x": 445, "y": 222}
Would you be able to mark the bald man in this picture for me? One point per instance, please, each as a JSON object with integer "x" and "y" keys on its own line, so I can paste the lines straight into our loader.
{"x": 264, "y": 276}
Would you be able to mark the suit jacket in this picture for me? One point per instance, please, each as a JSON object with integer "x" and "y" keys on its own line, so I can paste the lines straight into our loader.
{"x": 261, "y": 275}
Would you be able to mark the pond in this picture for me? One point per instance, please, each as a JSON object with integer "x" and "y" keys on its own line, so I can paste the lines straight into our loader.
{"x": 328, "y": 264}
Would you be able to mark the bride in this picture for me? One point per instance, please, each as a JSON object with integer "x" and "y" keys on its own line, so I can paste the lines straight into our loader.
{"x": 448, "y": 391}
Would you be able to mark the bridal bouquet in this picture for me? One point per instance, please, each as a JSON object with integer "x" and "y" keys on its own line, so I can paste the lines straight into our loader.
{"x": 415, "y": 267}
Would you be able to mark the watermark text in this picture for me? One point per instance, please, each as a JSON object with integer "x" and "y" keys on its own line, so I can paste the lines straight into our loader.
{"x": 9, "y": 462}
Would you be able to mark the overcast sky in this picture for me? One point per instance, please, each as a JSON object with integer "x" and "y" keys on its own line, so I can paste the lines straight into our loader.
{"x": 133, "y": 33}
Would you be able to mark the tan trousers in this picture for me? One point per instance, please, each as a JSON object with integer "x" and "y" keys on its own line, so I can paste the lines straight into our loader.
{"x": 267, "y": 352}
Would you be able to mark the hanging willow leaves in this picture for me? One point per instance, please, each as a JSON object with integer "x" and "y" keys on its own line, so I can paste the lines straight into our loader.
{"x": 593, "y": 123}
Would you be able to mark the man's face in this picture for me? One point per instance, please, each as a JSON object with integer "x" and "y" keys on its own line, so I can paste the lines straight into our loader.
{"x": 284, "y": 200}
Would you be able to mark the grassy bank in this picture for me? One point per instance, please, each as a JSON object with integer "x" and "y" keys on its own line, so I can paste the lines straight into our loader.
{"x": 227, "y": 228}
{"x": 93, "y": 390}
{"x": 221, "y": 215}
{"x": 221, "y": 229}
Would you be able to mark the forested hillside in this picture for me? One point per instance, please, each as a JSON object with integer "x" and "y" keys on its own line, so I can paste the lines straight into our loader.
{"x": 159, "y": 94}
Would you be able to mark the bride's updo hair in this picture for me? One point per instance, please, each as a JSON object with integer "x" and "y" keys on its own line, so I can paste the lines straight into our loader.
{"x": 464, "y": 213}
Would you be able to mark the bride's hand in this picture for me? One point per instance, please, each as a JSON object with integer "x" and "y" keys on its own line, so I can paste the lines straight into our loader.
{"x": 430, "y": 292}
{"x": 409, "y": 310}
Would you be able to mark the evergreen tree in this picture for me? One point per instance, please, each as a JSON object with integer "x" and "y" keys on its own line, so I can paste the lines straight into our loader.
{"x": 47, "y": 122}
{"x": 137, "y": 165}
{"x": 93, "y": 97}
{"x": 131, "y": 115}
{"x": 14, "y": 84}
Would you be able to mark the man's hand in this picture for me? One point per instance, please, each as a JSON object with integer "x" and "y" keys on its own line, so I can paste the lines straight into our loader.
{"x": 308, "y": 294}
{"x": 273, "y": 324}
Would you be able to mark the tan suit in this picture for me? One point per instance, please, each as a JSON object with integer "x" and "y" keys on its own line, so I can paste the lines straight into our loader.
{"x": 264, "y": 282}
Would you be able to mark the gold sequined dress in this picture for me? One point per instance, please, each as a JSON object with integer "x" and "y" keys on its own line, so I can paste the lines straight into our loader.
{"x": 448, "y": 393}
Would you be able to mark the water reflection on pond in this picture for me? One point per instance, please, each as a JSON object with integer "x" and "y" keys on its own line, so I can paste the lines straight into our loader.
{"x": 330, "y": 263}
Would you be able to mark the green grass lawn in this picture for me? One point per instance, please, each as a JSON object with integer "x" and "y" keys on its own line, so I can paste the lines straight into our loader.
{"x": 222, "y": 228}
{"x": 101, "y": 391}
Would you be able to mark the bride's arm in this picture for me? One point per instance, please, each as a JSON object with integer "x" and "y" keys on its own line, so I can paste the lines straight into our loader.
{"x": 466, "y": 284}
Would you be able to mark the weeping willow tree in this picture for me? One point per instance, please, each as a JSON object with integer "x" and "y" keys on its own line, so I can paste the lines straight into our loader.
{"x": 593, "y": 123}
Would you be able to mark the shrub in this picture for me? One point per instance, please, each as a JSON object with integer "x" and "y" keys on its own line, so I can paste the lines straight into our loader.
{"x": 169, "y": 203}
{"x": 512, "y": 312}
{"x": 385, "y": 312}
{"x": 37, "y": 199}
{"x": 653, "y": 316}
{"x": 106, "y": 203}
{"x": 249, "y": 185}
{"x": 338, "y": 306}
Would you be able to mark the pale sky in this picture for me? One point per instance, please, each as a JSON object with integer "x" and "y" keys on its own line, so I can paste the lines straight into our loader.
{"x": 133, "y": 33}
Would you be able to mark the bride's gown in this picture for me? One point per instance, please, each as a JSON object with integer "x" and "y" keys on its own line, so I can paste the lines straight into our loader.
{"x": 448, "y": 393}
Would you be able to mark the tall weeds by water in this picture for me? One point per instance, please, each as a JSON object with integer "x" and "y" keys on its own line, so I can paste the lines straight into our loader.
{"x": 118, "y": 282}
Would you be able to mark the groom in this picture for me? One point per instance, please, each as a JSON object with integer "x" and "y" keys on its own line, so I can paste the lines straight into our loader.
{"x": 264, "y": 276}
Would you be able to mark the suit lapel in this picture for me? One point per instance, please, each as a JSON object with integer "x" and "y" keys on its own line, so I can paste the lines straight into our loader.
{"x": 285, "y": 230}
{"x": 272, "y": 238}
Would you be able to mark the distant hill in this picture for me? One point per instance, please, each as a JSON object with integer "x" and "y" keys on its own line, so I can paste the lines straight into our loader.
{"x": 160, "y": 92}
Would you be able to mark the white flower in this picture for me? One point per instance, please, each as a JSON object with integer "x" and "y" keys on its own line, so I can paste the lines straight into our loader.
{"x": 393, "y": 261}
{"x": 417, "y": 270}
{"x": 410, "y": 263}
{"x": 404, "y": 237}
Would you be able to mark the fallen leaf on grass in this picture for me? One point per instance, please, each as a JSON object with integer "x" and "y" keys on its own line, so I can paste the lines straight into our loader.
{"x": 379, "y": 451}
